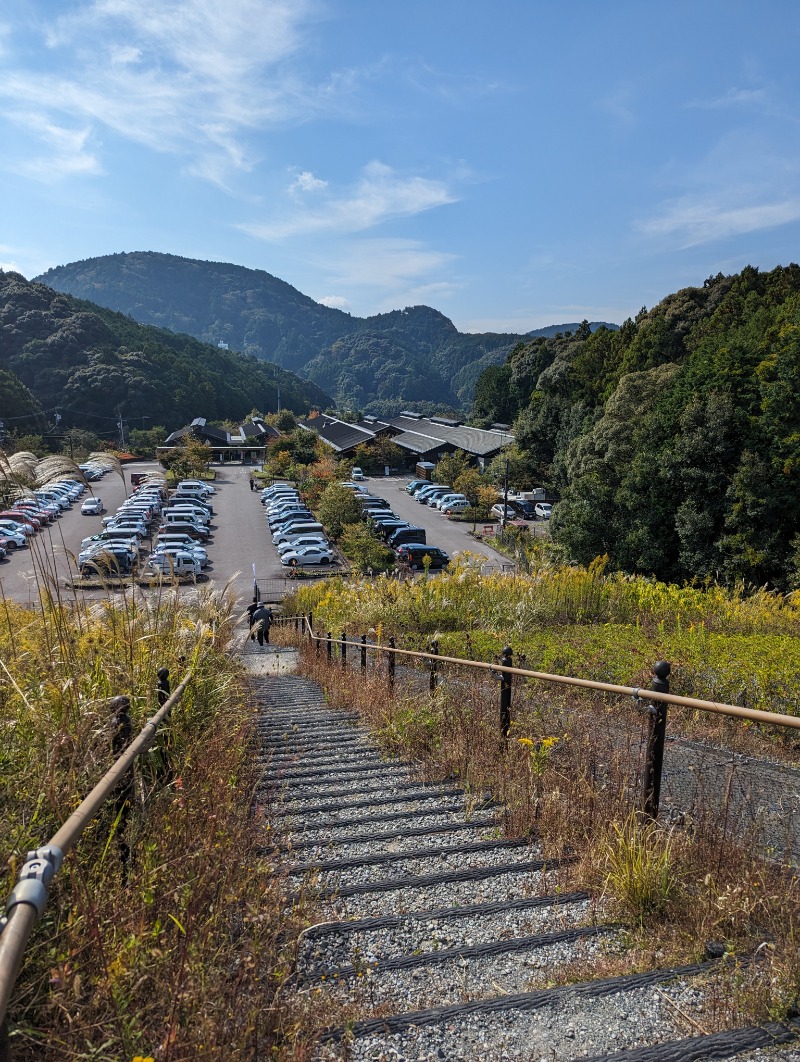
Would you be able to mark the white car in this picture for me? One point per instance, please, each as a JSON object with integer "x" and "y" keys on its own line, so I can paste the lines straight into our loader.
{"x": 357, "y": 473}
{"x": 173, "y": 550}
{"x": 300, "y": 541}
{"x": 543, "y": 510}
{"x": 308, "y": 555}
{"x": 180, "y": 563}
{"x": 9, "y": 527}
{"x": 92, "y": 507}
{"x": 16, "y": 539}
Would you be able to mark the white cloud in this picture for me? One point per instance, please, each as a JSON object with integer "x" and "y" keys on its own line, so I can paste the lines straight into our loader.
{"x": 378, "y": 195}
{"x": 694, "y": 220}
{"x": 194, "y": 77}
{"x": 389, "y": 264}
{"x": 307, "y": 182}
{"x": 336, "y": 302}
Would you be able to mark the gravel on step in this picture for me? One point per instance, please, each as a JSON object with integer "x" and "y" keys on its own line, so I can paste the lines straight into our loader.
{"x": 506, "y": 884}
{"x": 460, "y": 978}
{"x": 442, "y": 929}
{"x": 560, "y": 1024}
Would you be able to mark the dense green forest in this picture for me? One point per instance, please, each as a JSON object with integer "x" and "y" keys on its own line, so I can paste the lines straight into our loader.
{"x": 60, "y": 352}
{"x": 378, "y": 364}
{"x": 675, "y": 441}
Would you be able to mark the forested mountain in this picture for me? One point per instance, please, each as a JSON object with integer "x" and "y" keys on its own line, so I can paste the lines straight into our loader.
{"x": 675, "y": 442}
{"x": 551, "y": 331}
{"x": 417, "y": 350}
{"x": 89, "y": 362}
{"x": 18, "y": 407}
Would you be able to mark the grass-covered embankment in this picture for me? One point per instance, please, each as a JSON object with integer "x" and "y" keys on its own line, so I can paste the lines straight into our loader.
{"x": 571, "y": 772}
{"x": 180, "y": 957}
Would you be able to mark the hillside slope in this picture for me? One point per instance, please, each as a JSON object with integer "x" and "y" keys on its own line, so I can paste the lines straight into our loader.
{"x": 675, "y": 442}
{"x": 265, "y": 317}
{"x": 89, "y": 361}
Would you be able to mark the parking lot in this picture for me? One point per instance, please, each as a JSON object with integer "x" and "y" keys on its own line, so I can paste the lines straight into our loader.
{"x": 240, "y": 542}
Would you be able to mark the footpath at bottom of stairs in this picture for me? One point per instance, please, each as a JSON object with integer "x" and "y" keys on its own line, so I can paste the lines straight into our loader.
{"x": 438, "y": 937}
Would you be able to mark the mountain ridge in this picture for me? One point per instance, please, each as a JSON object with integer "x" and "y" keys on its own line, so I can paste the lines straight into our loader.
{"x": 372, "y": 362}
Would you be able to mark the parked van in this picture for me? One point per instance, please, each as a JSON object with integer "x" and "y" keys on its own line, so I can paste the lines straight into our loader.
{"x": 195, "y": 511}
{"x": 192, "y": 494}
{"x": 297, "y": 529}
{"x": 178, "y": 521}
{"x": 407, "y": 534}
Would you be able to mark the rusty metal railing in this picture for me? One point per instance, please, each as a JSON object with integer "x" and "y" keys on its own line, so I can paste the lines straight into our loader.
{"x": 657, "y": 695}
{"x": 29, "y": 897}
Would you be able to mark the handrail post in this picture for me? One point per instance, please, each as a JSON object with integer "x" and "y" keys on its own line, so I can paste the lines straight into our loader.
{"x": 163, "y": 689}
{"x": 505, "y": 692}
{"x": 363, "y": 654}
{"x": 434, "y": 665}
{"x": 343, "y": 646}
{"x": 330, "y": 647}
{"x": 311, "y": 624}
{"x": 391, "y": 663}
{"x": 656, "y": 736}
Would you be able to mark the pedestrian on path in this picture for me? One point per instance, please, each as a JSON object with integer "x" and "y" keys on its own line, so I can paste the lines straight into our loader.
{"x": 262, "y": 621}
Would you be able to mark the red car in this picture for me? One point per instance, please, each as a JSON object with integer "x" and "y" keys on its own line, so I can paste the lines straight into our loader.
{"x": 21, "y": 518}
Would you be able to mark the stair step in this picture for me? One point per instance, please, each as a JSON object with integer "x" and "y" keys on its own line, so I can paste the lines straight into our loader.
{"x": 529, "y": 1025}
{"x": 446, "y": 955}
{"x": 370, "y": 802}
{"x": 379, "y": 858}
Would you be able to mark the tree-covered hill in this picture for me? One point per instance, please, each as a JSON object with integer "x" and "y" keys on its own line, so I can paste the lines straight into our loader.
{"x": 18, "y": 407}
{"x": 417, "y": 348}
{"x": 674, "y": 442}
{"x": 90, "y": 361}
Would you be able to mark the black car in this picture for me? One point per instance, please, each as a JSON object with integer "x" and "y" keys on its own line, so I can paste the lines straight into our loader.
{"x": 414, "y": 552}
{"x": 110, "y": 561}
{"x": 525, "y": 509}
{"x": 385, "y": 528}
{"x": 406, "y": 534}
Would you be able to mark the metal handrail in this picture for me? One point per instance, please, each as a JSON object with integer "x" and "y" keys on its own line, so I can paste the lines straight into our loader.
{"x": 714, "y": 707}
{"x": 28, "y": 899}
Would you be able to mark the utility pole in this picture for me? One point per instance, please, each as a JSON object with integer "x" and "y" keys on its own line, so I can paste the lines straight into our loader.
{"x": 121, "y": 427}
{"x": 279, "y": 397}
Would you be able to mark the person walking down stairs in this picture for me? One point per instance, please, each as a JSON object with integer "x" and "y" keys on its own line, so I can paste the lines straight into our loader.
{"x": 261, "y": 623}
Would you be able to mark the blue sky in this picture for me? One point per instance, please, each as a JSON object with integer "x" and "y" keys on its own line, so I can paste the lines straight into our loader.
{"x": 513, "y": 164}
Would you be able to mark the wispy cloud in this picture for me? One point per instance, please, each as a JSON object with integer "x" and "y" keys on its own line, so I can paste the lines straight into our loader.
{"x": 68, "y": 152}
{"x": 379, "y": 194}
{"x": 702, "y": 220}
{"x": 193, "y": 76}
{"x": 735, "y": 97}
{"x": 620, "y": 105}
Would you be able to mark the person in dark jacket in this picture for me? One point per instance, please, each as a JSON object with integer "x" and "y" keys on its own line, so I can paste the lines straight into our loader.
{"x": 262, "y": 621}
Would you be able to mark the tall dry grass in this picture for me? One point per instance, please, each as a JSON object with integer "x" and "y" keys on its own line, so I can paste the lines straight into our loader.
{"x": 181, "y": 953}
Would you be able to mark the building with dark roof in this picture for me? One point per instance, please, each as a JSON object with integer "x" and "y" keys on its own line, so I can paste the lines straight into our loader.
{"x": 422, "y": 438}
{"x": 247, "y": 446}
